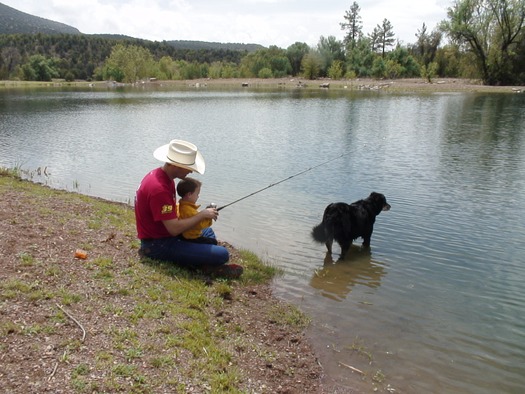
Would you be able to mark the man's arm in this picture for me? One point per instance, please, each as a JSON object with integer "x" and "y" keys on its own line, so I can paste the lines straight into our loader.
{"x": 178, "y": 226}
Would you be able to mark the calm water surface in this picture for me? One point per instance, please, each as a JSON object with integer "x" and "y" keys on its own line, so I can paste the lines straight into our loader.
{"x": 437, "y": 303}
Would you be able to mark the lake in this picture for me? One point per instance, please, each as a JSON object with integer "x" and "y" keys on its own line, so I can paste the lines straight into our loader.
{"x": 436, "y": 304}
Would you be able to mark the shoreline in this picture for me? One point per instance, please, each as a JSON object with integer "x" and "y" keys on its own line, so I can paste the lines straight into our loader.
{"x": 394, "y": 85}
{"x": 97, "y": 322}
{"x": 404, "y": 85}
{"x": 288, "y": 83}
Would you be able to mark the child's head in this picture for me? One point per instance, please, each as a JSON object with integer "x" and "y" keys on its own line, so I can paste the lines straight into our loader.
{"x": 188, "y": 189}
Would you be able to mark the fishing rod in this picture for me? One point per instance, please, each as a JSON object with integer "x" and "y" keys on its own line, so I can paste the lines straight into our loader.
{"x": 282, "y": 180}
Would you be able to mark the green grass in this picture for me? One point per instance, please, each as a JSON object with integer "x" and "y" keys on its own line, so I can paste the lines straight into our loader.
{"x": 26, "y": 259}
{"x": 187, "y": 342}
{"x": 289, "y": 315}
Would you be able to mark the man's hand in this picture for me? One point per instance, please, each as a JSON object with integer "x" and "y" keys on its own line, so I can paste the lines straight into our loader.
{"x": 210, "y": 213}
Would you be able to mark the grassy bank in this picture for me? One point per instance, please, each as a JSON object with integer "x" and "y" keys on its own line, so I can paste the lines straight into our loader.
{"x": 115, "y": 323}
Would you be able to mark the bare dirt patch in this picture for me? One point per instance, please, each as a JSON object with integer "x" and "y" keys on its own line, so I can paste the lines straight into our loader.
{"x": 71, "y": 325}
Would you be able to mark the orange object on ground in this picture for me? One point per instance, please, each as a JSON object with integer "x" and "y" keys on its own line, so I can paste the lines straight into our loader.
{"x": 80, "y": 254}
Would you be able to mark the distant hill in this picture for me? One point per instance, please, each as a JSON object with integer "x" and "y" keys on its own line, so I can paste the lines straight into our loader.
{"x": 191, "y": 45}
{"x": 17, "y": 22}
{"x": 196, "y": 45}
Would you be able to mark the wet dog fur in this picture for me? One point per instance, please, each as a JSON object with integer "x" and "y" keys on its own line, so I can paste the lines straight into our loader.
{"x": 344, "y": 222}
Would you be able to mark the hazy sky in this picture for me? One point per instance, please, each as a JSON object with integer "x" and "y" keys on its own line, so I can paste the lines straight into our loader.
{"x": 265, "y": 22}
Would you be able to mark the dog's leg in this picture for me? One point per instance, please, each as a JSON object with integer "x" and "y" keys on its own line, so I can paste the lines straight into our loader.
{"x": 366, "y": 239}
{"x": 328, "y": 259}
{"x": 345, "y": 247}
{"x": 329, "y": 242}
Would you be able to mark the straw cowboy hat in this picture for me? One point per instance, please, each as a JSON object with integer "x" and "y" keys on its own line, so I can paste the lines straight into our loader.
{"x": 181, "y": 154}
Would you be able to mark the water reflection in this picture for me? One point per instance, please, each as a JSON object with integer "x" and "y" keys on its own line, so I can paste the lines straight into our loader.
{"x": 336, "y": 279}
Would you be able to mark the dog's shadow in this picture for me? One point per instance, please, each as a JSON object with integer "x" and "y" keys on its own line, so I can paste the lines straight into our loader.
{"x": 336, "y": 279}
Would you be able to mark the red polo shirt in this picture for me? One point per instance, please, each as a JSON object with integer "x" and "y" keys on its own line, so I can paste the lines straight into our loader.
{"x": 155, "y": 202}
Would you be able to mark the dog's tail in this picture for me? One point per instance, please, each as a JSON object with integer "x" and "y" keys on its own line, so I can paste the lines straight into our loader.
{"x": 319, "y": 233}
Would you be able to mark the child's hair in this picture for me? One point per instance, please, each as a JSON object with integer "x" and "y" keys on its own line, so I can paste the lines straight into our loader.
{"x": 187, "y": 185}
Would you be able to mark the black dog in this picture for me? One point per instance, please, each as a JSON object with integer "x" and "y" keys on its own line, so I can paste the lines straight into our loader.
{"x": 347, "y": 222}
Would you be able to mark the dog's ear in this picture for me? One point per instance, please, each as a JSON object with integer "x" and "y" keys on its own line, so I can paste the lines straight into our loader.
{"x": 378, "y": 198}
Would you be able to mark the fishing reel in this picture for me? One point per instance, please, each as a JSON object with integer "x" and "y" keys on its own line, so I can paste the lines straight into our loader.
{"x": 212, "y": 205}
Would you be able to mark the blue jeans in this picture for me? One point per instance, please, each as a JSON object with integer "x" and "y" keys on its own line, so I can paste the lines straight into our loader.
{"x": 184, "y": 253}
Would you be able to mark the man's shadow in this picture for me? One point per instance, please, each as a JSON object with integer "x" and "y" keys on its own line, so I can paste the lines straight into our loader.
{"x": 336, "y": 279}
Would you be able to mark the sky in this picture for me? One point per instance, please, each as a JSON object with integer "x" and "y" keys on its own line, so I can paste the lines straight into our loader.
{"x": 265, "y": 22}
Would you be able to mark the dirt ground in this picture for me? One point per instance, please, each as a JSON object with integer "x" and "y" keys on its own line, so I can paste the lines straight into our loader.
{"x": 55, "y": 328}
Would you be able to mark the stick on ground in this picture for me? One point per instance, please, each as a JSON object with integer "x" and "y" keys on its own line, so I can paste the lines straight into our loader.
{"x": 352, "y": 368}
{"x": 75, "y": 320}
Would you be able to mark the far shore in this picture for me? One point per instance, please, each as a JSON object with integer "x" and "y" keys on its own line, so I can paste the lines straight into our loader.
{"x": 393, "y": 85}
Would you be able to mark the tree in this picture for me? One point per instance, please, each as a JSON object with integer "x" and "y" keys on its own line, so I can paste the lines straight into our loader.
{"x": 279, "y": 63}
{"x": 311, "y": 65}
{"x": 336, "y": 70}
{"x": 353, "y": 26}
{"x": 456, "y": 63}
{"x": 39, "y": 68}
{"x": 69, "y": 76}
{"x": 427, "y": 45}
{"x": 360, "y": 59}
{"x": 215, "y": 70}
{"x": 274, "y": 59}
{"x": 425, "y": 50}
{"x": 429, "y": 71}
{"x": 519, "y": 63}
{"x": 254, "y": 62}
{"x": 295, "y": 54}
{"x": 401, "y": 64}
{"x": 229, "y": 70}
{"x": 265, "y": 73}
{"x": 128, "y": 63}
{"x": 383, "y": 37}
{"x": 9, "y": 59}
{"x": 492, "y": 30}
{"x": 190, "y": 70}
{"x": 330, "y": 49}
{"x": 378, "y": 68}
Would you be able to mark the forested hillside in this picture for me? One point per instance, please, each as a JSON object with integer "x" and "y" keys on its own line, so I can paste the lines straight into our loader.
{"x": 197, "y": 45}
{"x": 13, "y": 21}
{"x": 57, "y": 50}
{"x": 486, "y": 43}
{"x": 82, "y": 54}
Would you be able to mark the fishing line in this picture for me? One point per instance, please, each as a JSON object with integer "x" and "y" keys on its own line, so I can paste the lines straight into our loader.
{"x": 283, "y": 180}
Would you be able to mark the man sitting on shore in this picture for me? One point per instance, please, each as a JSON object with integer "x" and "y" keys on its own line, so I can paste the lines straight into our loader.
{"x": 158, "y": 226}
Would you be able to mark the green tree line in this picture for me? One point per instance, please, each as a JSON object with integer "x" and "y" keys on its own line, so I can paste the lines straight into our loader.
{"x": 486, "y": 41}
{"x": 84, "y": 56}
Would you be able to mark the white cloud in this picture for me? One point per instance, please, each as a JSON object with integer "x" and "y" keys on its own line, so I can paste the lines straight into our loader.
{"x": 266, "y": 22}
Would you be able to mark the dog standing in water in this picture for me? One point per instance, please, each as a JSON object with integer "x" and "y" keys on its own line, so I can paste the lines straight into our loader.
{"x": 344, "y": 222}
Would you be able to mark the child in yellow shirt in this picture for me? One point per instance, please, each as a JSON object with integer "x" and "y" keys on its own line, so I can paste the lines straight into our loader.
{"x": 188, "y": 190}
